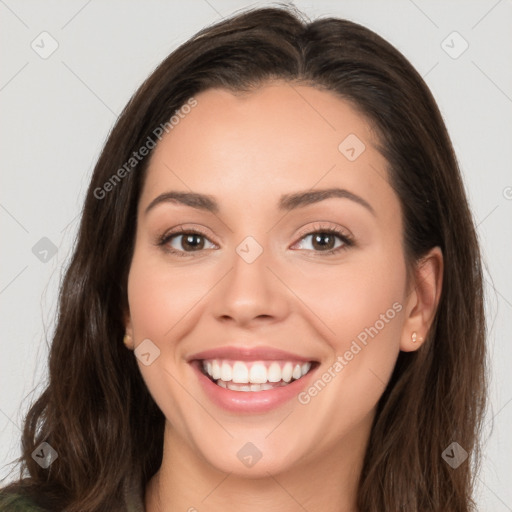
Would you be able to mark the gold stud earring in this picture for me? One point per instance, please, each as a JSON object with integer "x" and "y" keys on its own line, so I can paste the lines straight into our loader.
{"x": 127, "y": 340}
{"x": 415, "y": 337}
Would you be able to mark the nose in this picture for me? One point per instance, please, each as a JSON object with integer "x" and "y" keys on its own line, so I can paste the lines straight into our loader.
{"x": 251, "y": 293}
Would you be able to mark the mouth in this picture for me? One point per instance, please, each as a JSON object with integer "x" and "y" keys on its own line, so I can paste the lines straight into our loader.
{"x": 255, "y": 380}
{"x": 254, "y": 376}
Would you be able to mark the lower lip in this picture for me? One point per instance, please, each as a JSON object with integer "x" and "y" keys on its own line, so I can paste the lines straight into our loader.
{"x": 250, "y": 401}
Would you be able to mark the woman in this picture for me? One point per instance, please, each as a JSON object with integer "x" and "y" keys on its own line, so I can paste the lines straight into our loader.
{"x": 278, "y": 231}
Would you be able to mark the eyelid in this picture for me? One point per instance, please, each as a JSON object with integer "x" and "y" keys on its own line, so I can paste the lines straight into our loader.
{"x": 185, "y": 228}
{"x": 320, "y": 226}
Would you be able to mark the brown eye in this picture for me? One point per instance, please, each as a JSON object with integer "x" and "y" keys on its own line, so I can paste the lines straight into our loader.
{"x": 327, "y": 241}
{"x": 186, "y": 242}
{"x": 192, "y": 242}
{"x": 323, "y": 241}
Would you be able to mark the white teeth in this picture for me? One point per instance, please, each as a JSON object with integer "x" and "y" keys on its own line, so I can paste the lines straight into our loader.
{"x": 257, "y": 375}
{"x": 248, "y": 387}
{"x": 215, "y": 373}
{"x": 287, "y": 372}
{"x": 226, "y": 372}
{"x": 274, "y": 373}
{"x": 240, "y": 373}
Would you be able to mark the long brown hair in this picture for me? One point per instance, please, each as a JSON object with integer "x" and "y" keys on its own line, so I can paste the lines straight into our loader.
{"x": 96, "y": 411}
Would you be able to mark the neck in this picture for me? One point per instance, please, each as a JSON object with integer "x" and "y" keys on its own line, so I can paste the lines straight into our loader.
{"x": 186, "y": 481}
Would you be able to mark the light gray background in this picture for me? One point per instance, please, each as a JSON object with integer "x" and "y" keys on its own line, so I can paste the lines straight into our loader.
{"x": 57, "y": 112}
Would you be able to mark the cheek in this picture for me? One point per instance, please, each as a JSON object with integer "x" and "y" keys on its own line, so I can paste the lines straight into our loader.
{"x": 371, "y": 316}
{"x": 369, "y": 326}
{"x": 160, "y": 297}
{"x": 159, "y": 301}
{"x": 362, "y": 304}
{"x": 351, "y": 296}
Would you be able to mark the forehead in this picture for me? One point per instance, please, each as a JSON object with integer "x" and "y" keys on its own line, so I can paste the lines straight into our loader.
{"x": 277, "y": 139}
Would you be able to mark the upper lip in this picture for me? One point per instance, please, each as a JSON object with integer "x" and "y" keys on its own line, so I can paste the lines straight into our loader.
{"x": 261, "y": 353}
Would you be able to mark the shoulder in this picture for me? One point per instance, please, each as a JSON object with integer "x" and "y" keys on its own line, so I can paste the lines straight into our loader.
{"x": 13, "y": 502}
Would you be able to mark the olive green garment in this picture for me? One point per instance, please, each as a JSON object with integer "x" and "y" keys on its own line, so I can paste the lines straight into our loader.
{"x": 10, "y": 502}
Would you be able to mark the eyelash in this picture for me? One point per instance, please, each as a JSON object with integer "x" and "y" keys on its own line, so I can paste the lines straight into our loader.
{"x": 346, "y": 239}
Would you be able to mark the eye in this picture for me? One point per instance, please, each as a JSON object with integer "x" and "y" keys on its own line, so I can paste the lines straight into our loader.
{"x": 325, "y": 240}
{"x": 184, "y": 241}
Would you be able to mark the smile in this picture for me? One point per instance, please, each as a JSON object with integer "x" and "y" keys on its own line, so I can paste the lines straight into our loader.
{"x": 251, "y": 380}
{"x": 253, "y": 376}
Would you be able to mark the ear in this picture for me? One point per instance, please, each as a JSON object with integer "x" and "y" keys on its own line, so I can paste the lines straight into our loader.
{"x": 422, "y": 299}
{"x": 128, "y": 335}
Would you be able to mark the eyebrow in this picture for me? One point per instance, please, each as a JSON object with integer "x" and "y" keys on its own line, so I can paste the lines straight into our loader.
{"x": 287, "y": 202}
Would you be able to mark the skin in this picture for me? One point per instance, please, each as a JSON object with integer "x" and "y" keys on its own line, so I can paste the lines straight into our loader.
{"x": 246, "y": 151}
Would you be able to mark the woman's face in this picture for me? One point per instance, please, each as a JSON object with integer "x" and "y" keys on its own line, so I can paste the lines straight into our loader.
{"x": 261, "y": 277}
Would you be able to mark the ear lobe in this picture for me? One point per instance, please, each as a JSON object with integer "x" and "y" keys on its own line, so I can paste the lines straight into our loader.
{"x": 423, "y": 300}
{"x": 128, "y": 336}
